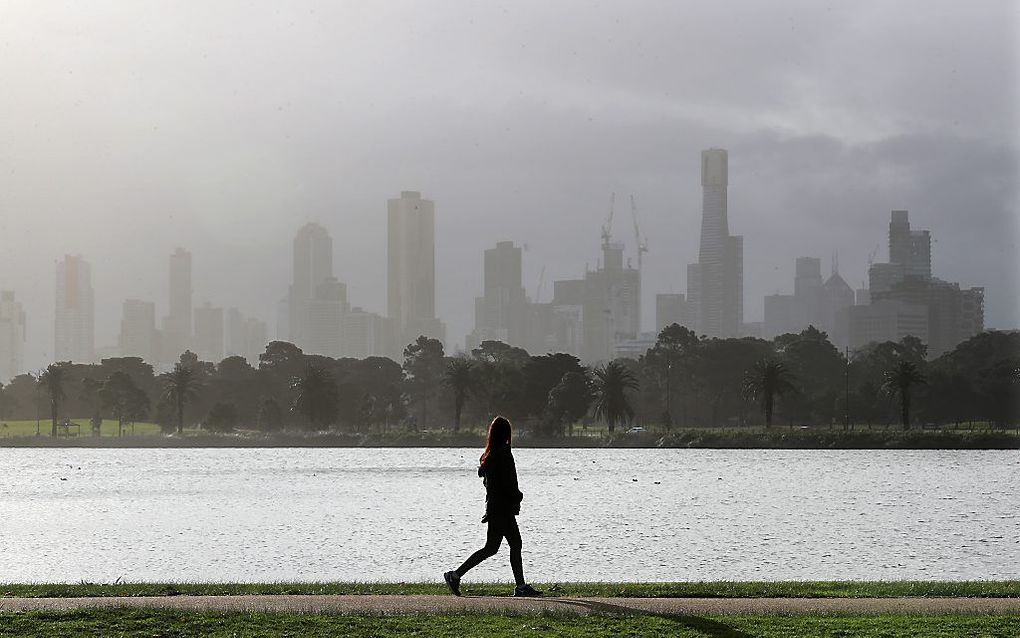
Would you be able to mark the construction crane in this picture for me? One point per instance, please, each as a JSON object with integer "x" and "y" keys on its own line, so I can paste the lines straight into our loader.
{"x": 607, "y": 228}
{"x": 541, "y": 282}
{"x": 642, "y": 244}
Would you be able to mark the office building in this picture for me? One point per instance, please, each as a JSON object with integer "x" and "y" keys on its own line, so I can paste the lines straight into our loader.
{"x": 954, "y": 314}
{"x": 715, "y": 287}
{"x": 138, "y": 335}
{"x": 208, "y": 338}
{"x": 177, "y": 325}
{"x": 411, "y": 270}
{"x": 501, "y": 313}
{"x": 74, "y": 324}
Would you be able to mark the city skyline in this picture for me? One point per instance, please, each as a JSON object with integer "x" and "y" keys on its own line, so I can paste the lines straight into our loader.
{"x": 315, "y": 288}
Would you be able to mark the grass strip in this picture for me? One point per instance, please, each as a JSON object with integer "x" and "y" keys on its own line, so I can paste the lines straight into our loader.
{"x": 167, "y": 623}
{"x": 821, "y": 589}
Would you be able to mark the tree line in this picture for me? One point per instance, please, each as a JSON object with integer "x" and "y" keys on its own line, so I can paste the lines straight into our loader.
{"x": 682, "y": 381}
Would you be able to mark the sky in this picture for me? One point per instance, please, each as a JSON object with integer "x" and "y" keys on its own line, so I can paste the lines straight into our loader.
{"x": 130, "y": 128}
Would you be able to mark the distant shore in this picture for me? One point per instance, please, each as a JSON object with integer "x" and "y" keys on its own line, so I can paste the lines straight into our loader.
{"x": 707, "y": 438}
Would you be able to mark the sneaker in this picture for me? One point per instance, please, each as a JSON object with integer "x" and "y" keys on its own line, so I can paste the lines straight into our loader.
{"x": 453, "y": 582}
{"x": 526, "y": 591}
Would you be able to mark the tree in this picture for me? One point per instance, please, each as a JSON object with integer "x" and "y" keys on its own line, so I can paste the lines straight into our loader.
{"x": 270, "y": 417}
{"x": 423, "y": 368}
{"x": 53, "y": 381}
{"x": 316, "y": 396}
{"x": 222, "y": 417}
{"x": 180, "y": 386}
{"x": 899, "y": 381}
{"x": 119, "y": 395}
{"x": 670, "y": 361}
{"x": 459, "y": 378}
{"x": 611, "y": 384}
{"x": 766, "y": 380}
{"x": 569, "y": 400}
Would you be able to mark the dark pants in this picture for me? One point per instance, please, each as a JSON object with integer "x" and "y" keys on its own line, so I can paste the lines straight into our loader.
{"x": 499, "y": 527}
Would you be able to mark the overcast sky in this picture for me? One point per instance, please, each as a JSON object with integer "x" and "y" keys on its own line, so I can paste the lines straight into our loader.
{"x": 129, "y": 128}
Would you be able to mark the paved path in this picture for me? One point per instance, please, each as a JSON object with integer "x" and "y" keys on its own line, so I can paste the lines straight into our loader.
{"x": 581, "y": 606}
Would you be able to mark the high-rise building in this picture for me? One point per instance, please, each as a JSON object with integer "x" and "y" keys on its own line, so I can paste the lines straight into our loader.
{"x": 909, "y": 248}
{"x": 814, "y": 302}
{"x": 672, "y": 308}
{"x": 12, "y": 336}
{"x": 316, "y": 301}
{"x": 611, "y": 304}
{"x": 326, "y": 312}
{"x": 245, "y": 336}
{"x": 138, "y": 330}
{"x": 74, "y": 325}
{"x": 411, "y": 270}
{"x": 954, "y": 314}
{"x": 209, "y": 333}
{"x": 716, "y": 282}
{"x": 501, "y": 313}
{"x": 177, "y": 325}
{"x": 365, "y": 334}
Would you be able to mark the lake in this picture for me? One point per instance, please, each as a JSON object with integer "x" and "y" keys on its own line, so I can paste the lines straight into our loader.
{"x": 408, "y": 514}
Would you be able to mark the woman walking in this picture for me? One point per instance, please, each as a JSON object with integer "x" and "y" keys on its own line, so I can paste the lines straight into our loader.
{"x": 502, "y": 505}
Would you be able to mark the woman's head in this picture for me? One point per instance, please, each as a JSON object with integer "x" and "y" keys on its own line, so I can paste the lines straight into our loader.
{"x": 499, "y": 437}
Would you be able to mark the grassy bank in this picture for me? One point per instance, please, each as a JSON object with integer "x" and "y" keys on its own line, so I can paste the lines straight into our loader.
{"x": 159, "y": 623}
{"x": 831, "y": 589}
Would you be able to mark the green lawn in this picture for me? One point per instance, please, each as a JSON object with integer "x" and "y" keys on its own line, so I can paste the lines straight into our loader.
{"x": 109, "y": 428}
{"x": 165, "y": 623}
{"x": 834, "y": 589}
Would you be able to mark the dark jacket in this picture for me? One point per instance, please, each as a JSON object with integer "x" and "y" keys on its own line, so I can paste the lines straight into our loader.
{"x": 502, "y": 496}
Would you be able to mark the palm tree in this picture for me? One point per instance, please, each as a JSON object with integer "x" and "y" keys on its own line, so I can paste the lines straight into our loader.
{"x": 611, "y": 383}
{"x": 459, "y": 377}
{"x": 182, "y": 385}
{"x": 766, "y": 380}
{"x": 898, "y": 382}
{"x": 53, "y": 380}
{"x": 316, "y": 395}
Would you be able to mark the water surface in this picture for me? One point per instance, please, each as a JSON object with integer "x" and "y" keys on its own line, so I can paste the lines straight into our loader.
{"x": 605, "y": 515}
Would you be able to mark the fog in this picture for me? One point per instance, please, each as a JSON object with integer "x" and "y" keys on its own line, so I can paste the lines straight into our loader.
{"x": 127, "y": 129}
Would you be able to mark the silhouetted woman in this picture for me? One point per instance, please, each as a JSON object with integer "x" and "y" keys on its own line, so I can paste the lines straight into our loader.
{"x": 502, "y": 505}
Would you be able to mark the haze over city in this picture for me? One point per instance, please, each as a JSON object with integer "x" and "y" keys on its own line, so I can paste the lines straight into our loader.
{"x": 132, "y": 129}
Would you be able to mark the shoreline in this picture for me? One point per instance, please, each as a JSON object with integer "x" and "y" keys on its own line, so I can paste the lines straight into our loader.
{"x": 778, "y": 438}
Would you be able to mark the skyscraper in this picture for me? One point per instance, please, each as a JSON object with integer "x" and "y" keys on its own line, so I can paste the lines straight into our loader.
{"x": 411, "y": 269}
{"x": 911, "y": 248}
{"x": 315, "y": 302}
{"x": 138, "y": 330}
{"x": 177, "y": 330}
{"x": 12, "y": 336}
{"x": 74, "y": 325}
{"x": 501, "y": 312}
{"x": 716, "y": 283}
{"x": 209, "y": 333}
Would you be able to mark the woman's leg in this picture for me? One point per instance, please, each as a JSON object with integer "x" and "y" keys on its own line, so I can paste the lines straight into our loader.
{"x": 493, "y": 537}
{"x": 513, "y": 539}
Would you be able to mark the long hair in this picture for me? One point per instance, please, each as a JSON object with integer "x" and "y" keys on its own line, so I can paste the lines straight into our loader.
{"x": 499, "y": 438}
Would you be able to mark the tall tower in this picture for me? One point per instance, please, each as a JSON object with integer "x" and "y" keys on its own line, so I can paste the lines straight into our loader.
{"x": 74, "y": 325}
{"x": 411, "y": 269}
{"x": 313, "y": 267}
{"x": 716, "y": 282}
{"x": 177, "y": 326}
